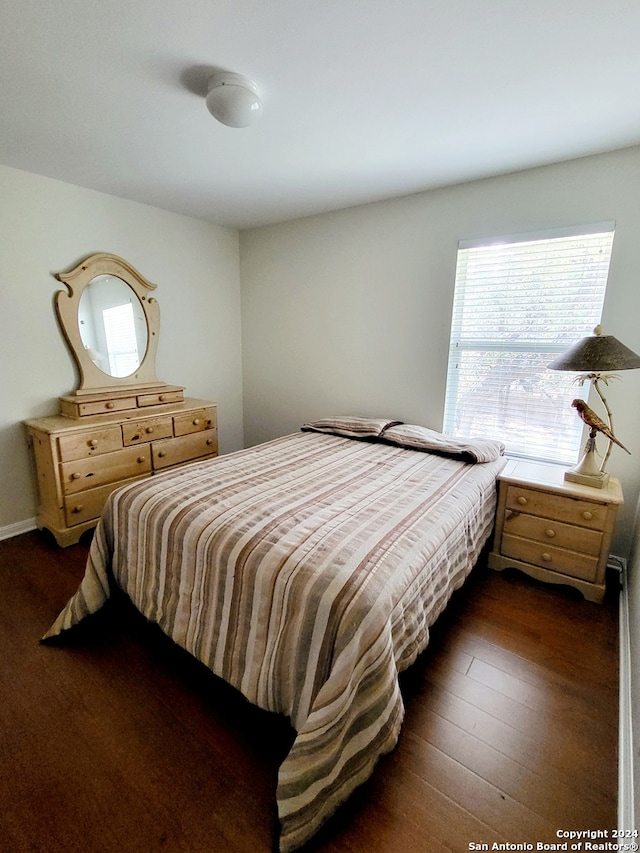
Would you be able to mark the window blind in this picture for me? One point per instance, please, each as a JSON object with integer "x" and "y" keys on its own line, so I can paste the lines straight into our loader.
{"x": 518, "y": 303}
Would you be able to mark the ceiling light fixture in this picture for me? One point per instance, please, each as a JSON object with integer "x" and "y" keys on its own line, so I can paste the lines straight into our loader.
{"x": 233, "y": 100}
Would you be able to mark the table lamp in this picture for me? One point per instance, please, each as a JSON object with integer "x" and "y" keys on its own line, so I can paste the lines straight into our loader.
{"x": 595, "y": 357}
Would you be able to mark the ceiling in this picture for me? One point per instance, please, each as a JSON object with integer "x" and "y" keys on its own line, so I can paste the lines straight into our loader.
{"x": 363, "y": 99}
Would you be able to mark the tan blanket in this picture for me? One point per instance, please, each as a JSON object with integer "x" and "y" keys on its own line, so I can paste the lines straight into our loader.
{"x": 306, "y": 572}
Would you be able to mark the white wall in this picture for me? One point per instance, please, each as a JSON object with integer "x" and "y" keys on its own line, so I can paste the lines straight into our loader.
{"x": 349, "y": 312}
{"x": 46, "y": 227}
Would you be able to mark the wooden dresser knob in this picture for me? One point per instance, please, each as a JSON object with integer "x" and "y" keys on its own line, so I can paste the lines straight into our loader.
{"x": 162, "y": 454}
{"x": 196, "y": 421}
{"x": 76, "y": 475}
{"x": 587, "y": 515}
{"x": 93, "y": 442}
{"x": 109, "y": 405}
{"x": 550, "y": 532}
{"x": 546, "y": 557}
{"x": 77, "y": 508}
{"x": 210, "y": 441}
{"x": 522, "y": 500}
{"x": 149, "y": 430}
{"x": 140, "y": 458}
{"x": 162, "y": 398}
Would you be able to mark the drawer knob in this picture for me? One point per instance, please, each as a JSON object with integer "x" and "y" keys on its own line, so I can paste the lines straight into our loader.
{"x": 76, "y": 475}
{"x": 162, "y": 398}
{"x": 162, "y": 454}
{"x": 78, "y": 508}
{"x": 149, "y": 430}
{"x": 522, "y": 500}
{"x": 546, "y": 557}
{"x": 587, "y": 515}
{"x": 109, "y": 405}
{"x": 196, "y": 421}
{"x": 93, "y": 442}
{"x": 209, "y": 441}
{"x": 550, "y": 532}
{"x": 140, "y": 458}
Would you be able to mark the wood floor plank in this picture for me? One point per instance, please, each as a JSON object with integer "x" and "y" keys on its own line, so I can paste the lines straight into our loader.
{"x": 572, "y": 727}
{"x": 553, "y": 798}
{"x": 470, "y": 642}
{"x": 472, "y": 792}
{"x": 547, "y": 757}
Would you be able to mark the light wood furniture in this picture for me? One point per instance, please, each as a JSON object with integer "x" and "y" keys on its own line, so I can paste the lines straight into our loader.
{"x": 554, "y": 530}
{"x": 121, "y": 424}
{"x": 79, "y": 462}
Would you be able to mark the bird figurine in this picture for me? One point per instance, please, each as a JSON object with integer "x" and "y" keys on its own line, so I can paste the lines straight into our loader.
{"x": 596, "y": 423}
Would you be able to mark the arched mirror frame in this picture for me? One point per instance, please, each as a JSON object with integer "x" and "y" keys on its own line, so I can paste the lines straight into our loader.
{"x": 92, "y": 379}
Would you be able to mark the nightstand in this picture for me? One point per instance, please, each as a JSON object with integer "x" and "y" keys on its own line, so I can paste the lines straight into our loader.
{"x": 554, "y": 530}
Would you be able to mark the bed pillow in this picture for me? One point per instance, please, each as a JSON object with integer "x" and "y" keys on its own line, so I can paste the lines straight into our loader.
{"x": 420, "y": 438}
{"x": 350, "y": 426}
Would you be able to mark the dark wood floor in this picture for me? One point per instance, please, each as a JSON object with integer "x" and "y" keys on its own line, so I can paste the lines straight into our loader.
{"x": 117, "y": 742}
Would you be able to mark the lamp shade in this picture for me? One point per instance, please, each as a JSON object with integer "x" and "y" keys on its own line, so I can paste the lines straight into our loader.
{"x": 233, "y": 100}
{"x": 597, "y": 354}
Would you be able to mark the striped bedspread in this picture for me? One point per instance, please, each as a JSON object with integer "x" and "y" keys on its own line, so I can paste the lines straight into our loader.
{"x": 306, "y": 572}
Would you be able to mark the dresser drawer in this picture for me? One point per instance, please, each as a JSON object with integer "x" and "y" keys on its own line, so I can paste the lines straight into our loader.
{"x": 159, "y": 399}
{"x": 82, "y": 445}
{"x": 84, "y": 474}
{"x": 186, "y": 448}
{"x": 560, "y": 507}
{"x": 88, "y": 505}
{"x": 194, "y": 421}
{"x": 139, "y": 432}
{"x": 554, "y": 533}
{"x": 554, "y": 559}
{"x": 99, "y": 407}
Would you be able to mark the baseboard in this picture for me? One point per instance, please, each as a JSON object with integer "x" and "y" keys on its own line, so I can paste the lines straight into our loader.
{"x": 626, "y": 816}
{"x": 18, "y": 527}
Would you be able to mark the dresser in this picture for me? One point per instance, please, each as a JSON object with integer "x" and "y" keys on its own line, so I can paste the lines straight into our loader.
{"x": 80, "y": 460}
{"x": 121, "y": 424}
{"x": 553, "y": 530}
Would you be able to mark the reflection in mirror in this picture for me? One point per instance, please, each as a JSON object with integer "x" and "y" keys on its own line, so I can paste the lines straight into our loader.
{"x": 112, "y": 325}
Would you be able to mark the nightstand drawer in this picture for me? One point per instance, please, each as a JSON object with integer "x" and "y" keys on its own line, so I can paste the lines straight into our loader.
{"x": 553, "y": 533}
{"x": 554, "y": 559}
{"x": 560, "y": 507}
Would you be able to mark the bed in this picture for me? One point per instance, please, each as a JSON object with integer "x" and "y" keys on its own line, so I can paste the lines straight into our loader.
{"x": 306, "y": 572}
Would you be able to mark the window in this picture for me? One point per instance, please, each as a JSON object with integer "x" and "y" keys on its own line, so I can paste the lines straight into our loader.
{"x": 518, "y": 303}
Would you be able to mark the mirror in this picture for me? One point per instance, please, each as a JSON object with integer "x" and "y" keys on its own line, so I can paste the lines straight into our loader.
{"x": 111, "y": 323}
